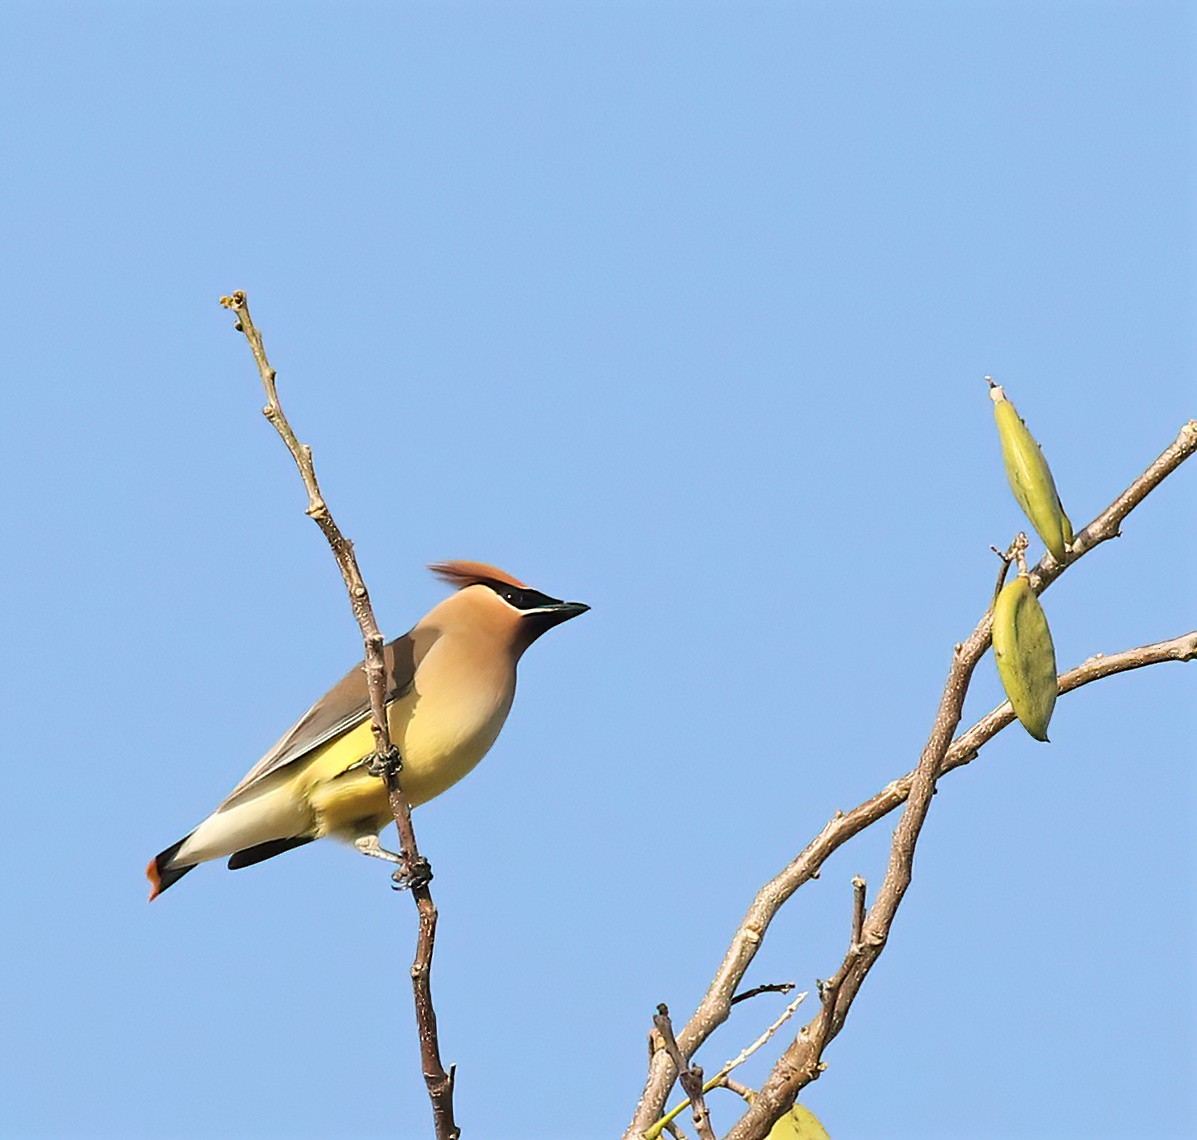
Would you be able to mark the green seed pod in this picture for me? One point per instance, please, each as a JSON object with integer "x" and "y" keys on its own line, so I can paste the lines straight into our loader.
{"x": 1025, "y": 656}
{"x": 1030, "y": 478}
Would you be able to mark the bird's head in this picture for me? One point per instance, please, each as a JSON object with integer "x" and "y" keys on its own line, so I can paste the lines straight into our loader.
{"x": 505, "y": 603}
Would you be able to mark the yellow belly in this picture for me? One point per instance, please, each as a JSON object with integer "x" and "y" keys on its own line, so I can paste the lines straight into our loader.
{"x": 438, "y": 745}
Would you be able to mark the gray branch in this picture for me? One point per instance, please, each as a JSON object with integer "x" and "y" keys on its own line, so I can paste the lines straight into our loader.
{"x": 802, "y": 1061}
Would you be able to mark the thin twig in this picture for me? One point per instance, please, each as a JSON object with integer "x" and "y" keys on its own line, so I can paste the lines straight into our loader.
{"x": 342, "y": 548}
{"x": 756, "y": 991}
{"x": 713, "y": 1009}
{"x": 858, "y": 909}
{"x": 721, "y": 1078}
{"x": 739, "y": 1089}
{"x": 1007, "y": 556}
{"x": 689, "y": 1075}
{"x": 440, "y": 1083}
{"x": 747, "y": 1052}
{"x": 1019, "y": 549}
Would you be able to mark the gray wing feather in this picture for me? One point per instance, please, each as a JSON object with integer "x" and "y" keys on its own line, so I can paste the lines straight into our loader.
{"x": 346, "y": 704}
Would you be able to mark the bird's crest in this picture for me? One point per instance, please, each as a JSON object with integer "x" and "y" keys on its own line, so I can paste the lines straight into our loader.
{"x": 462, "y": 574}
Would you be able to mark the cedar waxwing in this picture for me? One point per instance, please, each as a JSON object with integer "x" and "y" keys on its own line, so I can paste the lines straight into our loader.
{"x": 450, "y": 682}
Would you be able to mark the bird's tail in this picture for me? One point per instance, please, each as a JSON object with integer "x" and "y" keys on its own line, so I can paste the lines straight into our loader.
{"x": 163, "y": 872}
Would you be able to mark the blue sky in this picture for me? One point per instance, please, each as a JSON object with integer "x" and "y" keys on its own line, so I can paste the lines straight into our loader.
{"x": 681, "y": 310}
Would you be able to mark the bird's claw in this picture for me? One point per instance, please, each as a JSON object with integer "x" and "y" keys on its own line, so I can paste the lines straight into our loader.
{"x": 385, "y": 764}
{"x": 412, "y": 875}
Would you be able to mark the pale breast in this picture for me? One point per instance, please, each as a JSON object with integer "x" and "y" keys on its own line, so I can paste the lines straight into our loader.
{"x": 449, "y": 721}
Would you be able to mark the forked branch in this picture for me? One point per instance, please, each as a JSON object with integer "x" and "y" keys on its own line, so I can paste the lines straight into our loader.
{"x": 802, "y": 1061}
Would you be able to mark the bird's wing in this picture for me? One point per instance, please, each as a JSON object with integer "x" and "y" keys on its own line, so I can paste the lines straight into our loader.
{"x": 346, "y": 704}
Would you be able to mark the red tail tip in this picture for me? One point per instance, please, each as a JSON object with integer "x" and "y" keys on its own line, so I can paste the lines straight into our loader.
{"x": 151, "y": 873}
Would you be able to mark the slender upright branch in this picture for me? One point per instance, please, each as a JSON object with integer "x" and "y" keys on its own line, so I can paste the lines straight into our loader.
{"x": 317, "y": 509}
{"x": 440, "y": 1083}
{"x": 689, "y": 1075}
{"x": 801, "y": 1063}
{"x": 858, "y": 909}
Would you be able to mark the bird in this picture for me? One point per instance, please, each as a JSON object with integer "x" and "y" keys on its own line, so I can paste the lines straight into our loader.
{"x": 450, "y": 682}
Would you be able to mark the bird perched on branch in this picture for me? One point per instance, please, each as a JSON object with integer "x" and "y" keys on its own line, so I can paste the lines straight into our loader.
{"x": 449, "y": 686}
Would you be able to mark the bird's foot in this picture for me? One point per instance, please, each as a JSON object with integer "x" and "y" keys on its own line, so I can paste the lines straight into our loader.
{"x": 369, "y": 845}
{"x": 409, "y": 875}
{"x": 385, "y": 764}
{"x": 412, "y": 875}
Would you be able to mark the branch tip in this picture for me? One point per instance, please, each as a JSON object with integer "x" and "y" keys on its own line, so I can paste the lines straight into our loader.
{"x": 438, "y": 1083}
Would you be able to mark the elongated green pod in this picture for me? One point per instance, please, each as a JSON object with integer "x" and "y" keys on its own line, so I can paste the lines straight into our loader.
{"x": 1025, "y": 655}
{"x": 1030, "y": 477}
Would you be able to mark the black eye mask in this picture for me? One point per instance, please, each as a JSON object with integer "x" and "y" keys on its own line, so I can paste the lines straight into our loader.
{"x": 522, "y": 598}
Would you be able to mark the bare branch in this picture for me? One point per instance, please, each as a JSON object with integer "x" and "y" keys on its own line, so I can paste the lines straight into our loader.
{"x": 689, "y": 1075}
{"x": 774, "y": 988}
{"x": 739, "y": 1089}
{"x": 745, "y": 1053}
{"x": 802, "y": 1062}
{"x": 915, "y": 789}
{"x": 342, "y": 548}
{"x": 415, "y": 872}
{"x": 858, "y": 909}
{"x": 721, "y": 1077}
{"x": 1007, "y": 556}
{"x": 1019, "y": 550}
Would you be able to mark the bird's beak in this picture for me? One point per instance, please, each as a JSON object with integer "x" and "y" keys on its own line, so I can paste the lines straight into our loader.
{"x": 540, "y": 620}
{"x": 561, "y": 611}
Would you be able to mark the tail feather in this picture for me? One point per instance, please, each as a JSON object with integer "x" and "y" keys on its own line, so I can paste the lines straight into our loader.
{"x": 161, "y": 873}
{"x": 251, "y": 855}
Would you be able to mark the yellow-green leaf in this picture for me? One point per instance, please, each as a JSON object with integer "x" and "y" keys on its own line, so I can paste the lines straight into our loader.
{"x": 798, "y": 1124}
